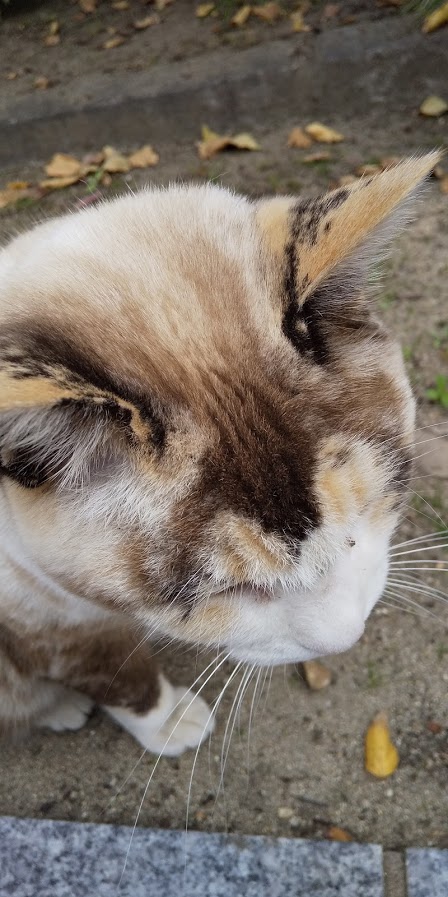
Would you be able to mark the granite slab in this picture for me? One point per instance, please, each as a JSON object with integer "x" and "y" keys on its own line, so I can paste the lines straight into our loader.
{"x": 427, "y": 872}
{"x": 42, "y": 858}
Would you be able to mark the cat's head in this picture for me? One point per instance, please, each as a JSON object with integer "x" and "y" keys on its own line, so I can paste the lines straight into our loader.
{"x": 202, "y": 421}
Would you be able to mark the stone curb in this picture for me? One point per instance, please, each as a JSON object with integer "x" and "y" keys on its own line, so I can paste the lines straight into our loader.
{"x": 376, "y": 68}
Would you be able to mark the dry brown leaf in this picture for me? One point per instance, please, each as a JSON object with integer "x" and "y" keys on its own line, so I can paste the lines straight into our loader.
{"x": 366, "y": 171}
{"x": 297, "y": 23}
{"x": 244, "y": 141}
{"x": 63, "y": 166}
{"x": 114, "y": 161}
{"x": 147, "y": 22}
{"x": 52, "y": 40}
{"x": 58, "y": 183}
{"x": 436, "y": 19}
{"x": 145, "y": 157}
{"x": 322, "y": 134}
{"x": 12, "y": 195}
{"x": 434, "y": 727}
{"x": 11, "y": 76}
{"x": 444, "y": 184}
{"x": 438, "y": 173}
{"x": 18, "y": 185}
{"x": 298, "y": 139}
{"x": 335, "y": 833}
{"x": 433, "y": 106}
{"x": 381, "y": 756}
{"x": 204, "y": 10}
{"x": 240, "y": 18}
{"x": 320, "y": 156}
{"x": 316, "y": 674}
{"x": 120, "y": 4}
{"x": 269, "y": 12}
{"x": 42, "y": 83}
{"x": 113, "y": 42}
{"x": 88, "y": 5}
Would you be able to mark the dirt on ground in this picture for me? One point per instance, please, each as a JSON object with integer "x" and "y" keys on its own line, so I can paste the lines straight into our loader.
{"x": 136, "y": 38}
{"x": 294, "y": 764}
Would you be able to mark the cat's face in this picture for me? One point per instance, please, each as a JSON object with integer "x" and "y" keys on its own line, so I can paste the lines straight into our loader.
{"x": 203, "y": 422}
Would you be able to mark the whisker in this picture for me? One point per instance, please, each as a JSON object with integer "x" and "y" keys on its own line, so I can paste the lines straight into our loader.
{"x": 425, "y": 538}
{"x": 397, "y": 554}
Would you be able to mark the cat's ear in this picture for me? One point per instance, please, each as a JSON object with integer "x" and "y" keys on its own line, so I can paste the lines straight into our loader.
{"x": 340, "y": 232}
{"x": 58, "y": 424}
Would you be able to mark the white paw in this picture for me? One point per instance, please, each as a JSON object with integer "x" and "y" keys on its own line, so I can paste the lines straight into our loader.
{"x": 71, "y": 712}
{"x": 181, "y": 720}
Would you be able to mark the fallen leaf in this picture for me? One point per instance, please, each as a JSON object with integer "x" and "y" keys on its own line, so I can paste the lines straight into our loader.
{"x": 113, "y": 42}
{"x": 147, "y": 22}
{"x": 18, "y": 185}
{"x": 11, "y": 76}
{"x": 88, "y": 5}
{"x": 335, "y": 833}
{"x": 204, "y": 10}
{"x": 63, "y": 166}
{"x": 244, "y": 141}
{"x": 54, "y": 27}
{"x": 120, "y": 4}
{"x": 298, "y": 139}
{"x": 444, "y": 184}
{"x": 162, "y": 4}
{"x": 42, "y": 83}
{"x": 52, "y": 40}
{"x": 330, "y": 10}
{"x": 433, "y": 107}
{"x": 297, "y": 23}
{"x": 366, "y": 171}
{"x": 269, "y": 12}
{"x": 58, "y": 183}
{"x": 10, "y": 196}
{"x": 321, "y": 156}
{"x": 95, "y": 159}
{"x": 381, "y": 756}
{"x": 434, "y": 727}
{"x": 438, "y": 172}
{"x": 114, "y": 161}
{"x": 240, "y": 18}
{"x": 323, "y": 134}
{"x": 436, "y": 19}
{"x": 316, "y": 674}
{"x": 143, "y": 158}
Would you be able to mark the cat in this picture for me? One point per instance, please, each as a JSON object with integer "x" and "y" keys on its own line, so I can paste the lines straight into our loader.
{"x": 205, "y": 435}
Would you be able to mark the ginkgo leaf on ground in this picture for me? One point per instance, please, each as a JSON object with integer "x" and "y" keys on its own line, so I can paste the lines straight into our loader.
{"x": 297, "y": 22}
{"x": 323, "y": 134}
{"x": 241, "y": 16}
{"x": 114, "y": 162}
{"x": 113, "y": 42}
{"x": 213, "y": 143}
{"x": 433, "y": 106}
{"x": 13, "y": 194}
{"x": 316, "y": 674}
{"x": 63, "y": 165}
{"x": 381, "y": 755}
{"x": 335, "y": 833}
{"x": 58, "y": 183}
{"x": 88, "y": 5}
{"x": 269, "y": 12}
{"x": 320, "y": 156}
{"x": 444, "y": 184}
{"x": 436, "y": 19}
{"x": 145, "y": 157}
{"x": 298, "y": 139}
{"x": 147, "y": 22}
{"x": 204, "y": 10}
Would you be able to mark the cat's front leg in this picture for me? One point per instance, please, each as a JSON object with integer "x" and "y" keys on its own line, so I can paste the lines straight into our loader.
{"x": 118, "y": 673}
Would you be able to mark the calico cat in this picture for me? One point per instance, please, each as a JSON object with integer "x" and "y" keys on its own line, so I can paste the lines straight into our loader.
{"x": 205, "y": 434}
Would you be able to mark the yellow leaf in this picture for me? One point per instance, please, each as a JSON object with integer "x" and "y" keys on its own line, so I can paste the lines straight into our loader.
{"x": 114, "y": 161}
{"x": 444, "y": 184}
{"x": 299, "y": 139}
{"x": 141, "y": 24}
{"x": 269, "y": 12}
{"x": 58, "y": 183}
{"x": 63, "y": 166}
{"x": 204, "y": 10}
{"x": 244, "y": 142}
{"x": 433, "y": 107}
{"x": 10, "y": 196}
{"x": 42, "y": 83}
{"x": 298, "y": 25}
{"x": 54, "y": 27}
{"x": 113, "y": 42}
{"x": 240, "y": 18}
{"x": 323, "y": 134}
{"x": 18, "y": 185}
{"x": 88, "y": 5}
{"x": 321, "y": 156}
{"x": 436, "y": 19}
{"x": 52, "y": 40}
{"x": 335, "y": 833}
{"x": 381, "y": 756}
{"x": 11, "y": 76}
{"x": 143, "y": 158}
{"x": 120, "y": 4}
{"x": 316, "y": 674}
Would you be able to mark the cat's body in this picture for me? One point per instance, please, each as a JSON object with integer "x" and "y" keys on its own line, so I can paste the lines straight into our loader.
{"x": 204, "y": 434}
